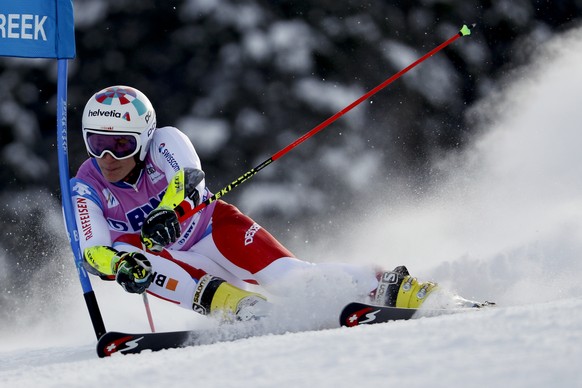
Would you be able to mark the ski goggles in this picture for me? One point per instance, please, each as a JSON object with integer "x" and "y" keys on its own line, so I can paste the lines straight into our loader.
{"x": 119, "y": 145}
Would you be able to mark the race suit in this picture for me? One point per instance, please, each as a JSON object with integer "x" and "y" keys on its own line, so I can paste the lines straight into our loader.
{"x": 218, "y": 240}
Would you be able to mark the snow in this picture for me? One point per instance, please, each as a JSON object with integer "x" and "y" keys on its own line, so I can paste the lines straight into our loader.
{"x": 215, "y": 133}
{"x": 504, "y": 224}
{"x": 525, "y": 346}
{"x": 292, "y": 42}
{"x": 437, "y": 82}
{"x": 21, "y": 159}
{"x": 329, "y": 97}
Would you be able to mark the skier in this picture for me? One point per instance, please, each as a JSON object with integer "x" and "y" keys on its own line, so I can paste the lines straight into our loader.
{"x": 125, "y": 198}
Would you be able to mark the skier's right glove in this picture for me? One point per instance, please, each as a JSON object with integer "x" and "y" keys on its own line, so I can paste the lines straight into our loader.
{"x": 133, "y": 271}
{"x": 160, "y": 228}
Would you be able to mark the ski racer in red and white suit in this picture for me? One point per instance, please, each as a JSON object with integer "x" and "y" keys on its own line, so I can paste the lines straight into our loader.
{"x": 208, "y": 262}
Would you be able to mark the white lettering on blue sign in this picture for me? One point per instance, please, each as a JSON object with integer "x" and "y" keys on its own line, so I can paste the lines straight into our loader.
{"x": 25, "y": 26}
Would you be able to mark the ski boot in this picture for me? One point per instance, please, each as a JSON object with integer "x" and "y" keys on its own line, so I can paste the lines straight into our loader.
{"x": 398, "y": 289}
{"x": 214, "y": 296}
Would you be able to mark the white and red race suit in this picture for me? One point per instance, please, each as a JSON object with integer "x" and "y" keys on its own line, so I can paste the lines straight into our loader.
{"x": 218, "y": 240}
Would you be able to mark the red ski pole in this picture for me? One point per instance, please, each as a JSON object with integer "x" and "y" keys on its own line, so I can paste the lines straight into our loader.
{"x": 183, "y": 214}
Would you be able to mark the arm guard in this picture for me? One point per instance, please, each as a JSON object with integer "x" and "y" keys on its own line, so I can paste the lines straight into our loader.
{"x": 162, "y": 225}
{"x": 101, "y": 260}
{"x": 183, "y": 187}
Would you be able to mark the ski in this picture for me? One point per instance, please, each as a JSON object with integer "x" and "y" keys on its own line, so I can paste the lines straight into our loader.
{"x": 353, "y": 314}
{"x": 356, "y": 313}
{"x": 126, "y": 343}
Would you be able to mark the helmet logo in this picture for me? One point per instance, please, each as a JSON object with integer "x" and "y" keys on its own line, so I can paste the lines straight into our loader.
{"x": 104, "y": 113}
{"x": 126, "y": 116}
{"x": 123, "y": 96}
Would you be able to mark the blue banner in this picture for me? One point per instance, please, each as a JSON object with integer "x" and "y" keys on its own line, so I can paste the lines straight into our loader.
{"x": 37, "y": 29}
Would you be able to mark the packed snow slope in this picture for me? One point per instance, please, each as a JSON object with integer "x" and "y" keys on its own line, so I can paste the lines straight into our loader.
{"x": 504, "y": 224}
{"x": 525, "y": 346}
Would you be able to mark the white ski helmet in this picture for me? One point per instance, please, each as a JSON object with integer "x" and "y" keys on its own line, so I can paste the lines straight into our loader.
{"x": 119, "y": 120}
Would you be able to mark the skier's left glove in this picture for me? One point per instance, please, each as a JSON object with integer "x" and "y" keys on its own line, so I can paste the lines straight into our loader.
{"x": 160, "y": 228}
{"x": 133, "y": 271}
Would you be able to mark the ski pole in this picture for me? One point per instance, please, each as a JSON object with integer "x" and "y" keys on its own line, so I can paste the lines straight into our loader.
{"x": 183, "y": 214}
{"x": 146, "y": 304}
